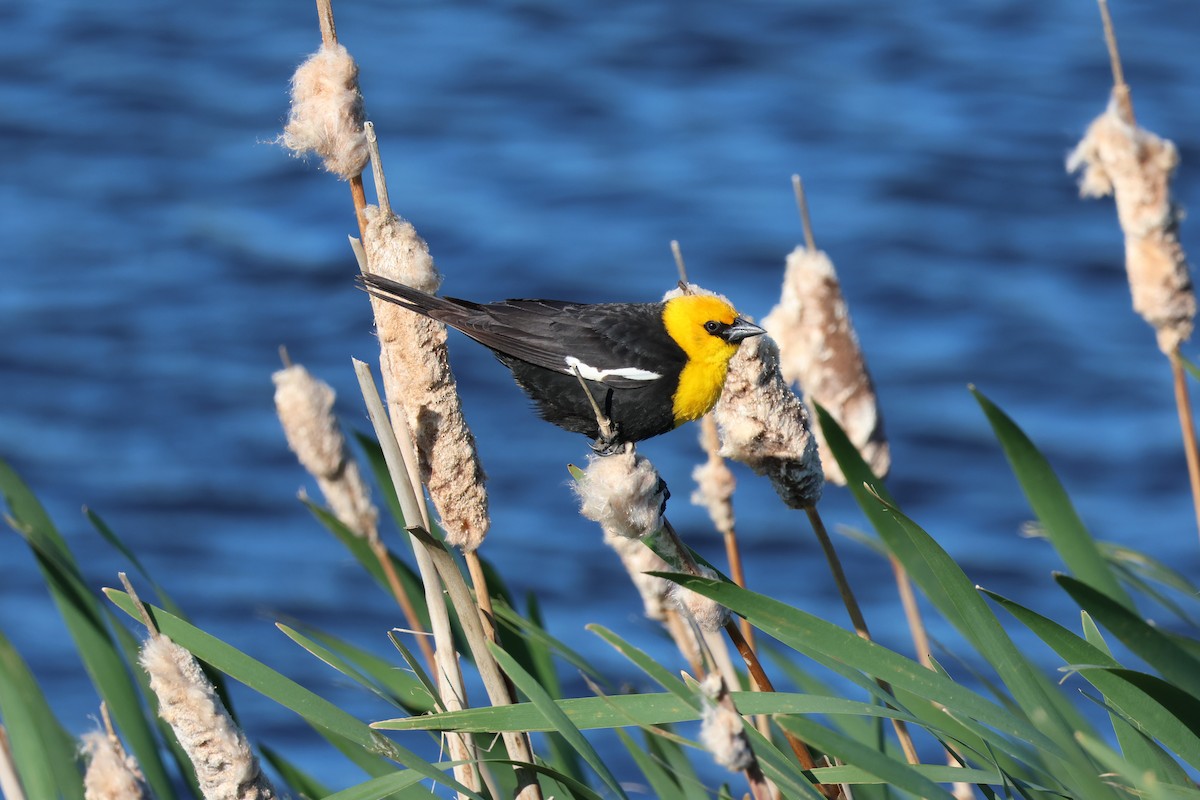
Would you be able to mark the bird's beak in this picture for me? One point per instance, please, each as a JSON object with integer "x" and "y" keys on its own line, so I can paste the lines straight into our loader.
{"x": 741, "y": 329}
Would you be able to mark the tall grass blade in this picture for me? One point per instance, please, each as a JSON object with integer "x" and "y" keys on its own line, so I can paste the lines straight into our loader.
{"x": 1053, "y": 506}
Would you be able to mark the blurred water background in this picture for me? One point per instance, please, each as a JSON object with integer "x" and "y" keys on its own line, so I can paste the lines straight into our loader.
{"x": 158, "y": 249}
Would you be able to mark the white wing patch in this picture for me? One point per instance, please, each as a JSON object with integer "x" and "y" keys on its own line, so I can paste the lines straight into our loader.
{"x": 593, "y": 374}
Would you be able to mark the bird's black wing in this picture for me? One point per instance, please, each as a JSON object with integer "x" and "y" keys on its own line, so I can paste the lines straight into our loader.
{"x": 623, "y": 345}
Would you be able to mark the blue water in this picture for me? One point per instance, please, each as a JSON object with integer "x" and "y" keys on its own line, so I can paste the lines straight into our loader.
{"x": 158, "y": 249}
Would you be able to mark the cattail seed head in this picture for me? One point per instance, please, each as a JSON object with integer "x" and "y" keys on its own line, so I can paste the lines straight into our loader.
{"x": 226, "y": 769}
{"x": 1135, "y": 166}
{"x": 819, "y": 351}
{"x": 708, "y": 614}
{"x": 305, "y": 408}
{"x": 420, "y": 387}
{"x": 327, "y": 115}
{"x": 721, "y": 728}
{"x": 639, "y": 560}
{"x": 624, "y": 493}
{"x": 112, "y": 774}
{"x": 765, "y": 425}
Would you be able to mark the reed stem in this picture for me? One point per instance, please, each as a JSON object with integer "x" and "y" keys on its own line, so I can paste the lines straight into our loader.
{"x": 857, "y": 619}
{"x": 1187, "y": 427}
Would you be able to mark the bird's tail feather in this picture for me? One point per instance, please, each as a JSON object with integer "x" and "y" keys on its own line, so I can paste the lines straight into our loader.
{"x": 408, "y": 297}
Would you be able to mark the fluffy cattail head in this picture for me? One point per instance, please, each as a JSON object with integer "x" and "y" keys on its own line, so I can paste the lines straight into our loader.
{"x": 226, "y": 769}
{"x": 721, "y": 728}
{"x": 624, "y": 493}
{"x": 639, "y": 560}
{"x": 305, "y": 408}
{"x": 765, "y": 425}
{"x": 708, "y": 614}
{"x": 819, "y": 351}
{"x": 327, "y": 116}
{"x": 1131, "y": 163}
{"x": 112, "y": 774}
{"x": 421, "y": 389}
{"x": 715, "y": 482}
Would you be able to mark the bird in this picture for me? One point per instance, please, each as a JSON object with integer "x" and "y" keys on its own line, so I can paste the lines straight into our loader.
{"x": 648, "y": 367}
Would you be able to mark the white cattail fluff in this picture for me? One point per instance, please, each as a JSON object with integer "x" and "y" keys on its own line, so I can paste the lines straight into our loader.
{"x": 226, "y": 769}
{"x": 639, "y": 560}
{"x": 305, "y": 408}
{"x": 624, "y": 493}
{"x": 1131, "y": 163}
{"x": 721, "y": 730}
{"x": 715, "y": 482}
{"x": 327, "y": 115}
{"x": 111, "y": 774}
{"x": 765, "y": 425}
{"x": 819, "y": 351}
{"x": 708, "y": 614}
{"x": 420, "y": 387}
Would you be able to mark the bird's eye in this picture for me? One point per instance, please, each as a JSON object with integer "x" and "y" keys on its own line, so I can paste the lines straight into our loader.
{"x": 712, "y": 326}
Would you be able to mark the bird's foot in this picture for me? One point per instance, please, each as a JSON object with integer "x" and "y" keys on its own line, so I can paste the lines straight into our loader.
{"x": 607, "y": 444}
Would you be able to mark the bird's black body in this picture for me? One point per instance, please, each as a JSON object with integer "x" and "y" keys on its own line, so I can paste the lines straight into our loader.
{"x": 539, "y": 339}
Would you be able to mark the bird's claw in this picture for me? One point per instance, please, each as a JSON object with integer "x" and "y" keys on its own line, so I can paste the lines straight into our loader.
{"x": 607, "y": 445}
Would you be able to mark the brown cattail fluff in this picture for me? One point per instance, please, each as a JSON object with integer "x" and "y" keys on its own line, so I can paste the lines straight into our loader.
{"x": 327, "y": 115}
{"x": 708, "y": 614}
{"x": 305, "y": 408}
{"x": 420, "y": 387}
{"x": 714, "y": 480}
{"x": 819, "y": 351}
{"x": 765, "y": 425}
{"x": 226, "y": 769}
{"x": 623, "y": 493}
{"x": 721, "y": 729}
{"x": 638, "y": 560}
{"x": 112, "y": 774}
{"x": 1135, "y": 166}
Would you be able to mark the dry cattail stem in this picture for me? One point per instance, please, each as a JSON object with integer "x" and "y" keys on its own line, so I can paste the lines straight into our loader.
{"x": 226, "y": 769}
{"x": 436, "y": 564}
{"x": 415, "y": 366}
{"x": 819, "y": 350}
{"x": 304, "y": 405}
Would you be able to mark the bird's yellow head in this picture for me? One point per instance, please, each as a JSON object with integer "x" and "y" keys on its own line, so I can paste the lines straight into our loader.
{"x": 709, "y": 331}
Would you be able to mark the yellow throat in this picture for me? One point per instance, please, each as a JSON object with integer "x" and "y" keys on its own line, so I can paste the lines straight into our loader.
{"x": 703, "y": 375}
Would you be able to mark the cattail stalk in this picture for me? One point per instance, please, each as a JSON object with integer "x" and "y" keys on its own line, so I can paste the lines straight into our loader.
{"x": 400, "y": 453}
{"x": 448, "y": 672}
{"x": 1118, "y": 158}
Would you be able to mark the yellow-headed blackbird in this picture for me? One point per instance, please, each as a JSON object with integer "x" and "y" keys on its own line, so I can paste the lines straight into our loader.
{"x": 650, "y": 366}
